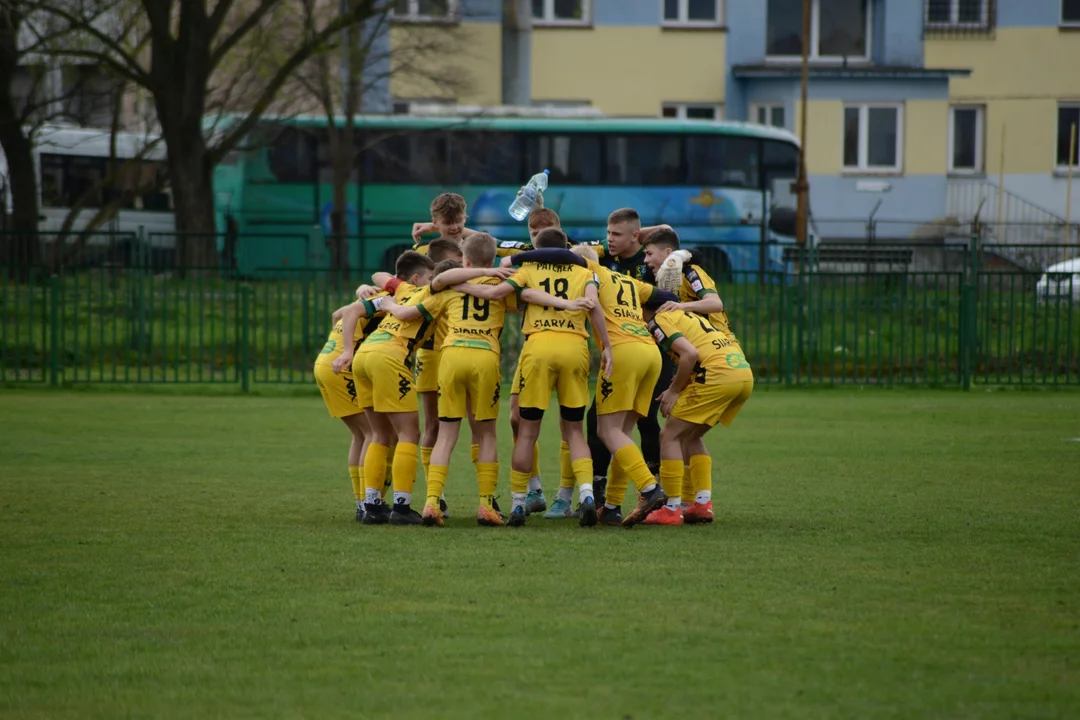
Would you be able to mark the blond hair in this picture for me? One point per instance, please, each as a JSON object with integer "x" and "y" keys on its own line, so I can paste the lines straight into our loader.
{"x": 479, "y": 248}
{"x": 544, "y": 217}
{"x": 586, "y": 252}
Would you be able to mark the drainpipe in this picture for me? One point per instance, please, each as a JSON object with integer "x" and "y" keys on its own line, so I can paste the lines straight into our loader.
{"x": 517, "y": 53}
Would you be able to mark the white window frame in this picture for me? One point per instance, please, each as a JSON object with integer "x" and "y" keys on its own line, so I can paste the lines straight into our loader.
{"x": 980, "y": 140}
{"x": 1061, "y": 169}
{"x": 681, "y": 107}
{"x": 684, "y": 20}
{"x": 863, "y": 168}
{"x": 452, "y": 8}
{"x": 1067, "y": 23}
{"x": 954, "y": 17}
{"x": 549, "y": 19}
{"x": 815, "y": 39}
{"x": 768, "y": 107}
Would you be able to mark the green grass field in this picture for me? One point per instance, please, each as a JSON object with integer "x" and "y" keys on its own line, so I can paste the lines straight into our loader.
{"x": 877, "y": 554}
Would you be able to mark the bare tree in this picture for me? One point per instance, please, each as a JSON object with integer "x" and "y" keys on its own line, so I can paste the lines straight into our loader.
{"x": 339, "y": 82}
{"x": 186, "y": 43}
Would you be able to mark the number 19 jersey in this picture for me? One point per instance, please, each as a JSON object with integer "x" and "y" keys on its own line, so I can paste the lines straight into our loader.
{"x": 473, "y": 322}
{"x": 562, "y": 281}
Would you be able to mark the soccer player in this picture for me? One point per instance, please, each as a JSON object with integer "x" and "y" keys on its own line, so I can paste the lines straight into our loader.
{"x": 448, "y": 215}
{"x": 384, "y": 388}
{"x": 339, "y": 394}
{"x": 696, "y": 290}
{"x": 623, "y": 397}
{"x": 555, "y": 357}
{"x": 712, "y": 383}
{"x": 469, "y": 375}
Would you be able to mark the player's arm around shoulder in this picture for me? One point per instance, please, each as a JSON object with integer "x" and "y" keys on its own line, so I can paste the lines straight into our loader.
{"x": 351, "y": 316}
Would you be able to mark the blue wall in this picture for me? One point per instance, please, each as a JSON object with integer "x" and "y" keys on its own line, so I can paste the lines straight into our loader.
{"x": 1028, "y": 13}
{"x": 626, "y": 12}
{"x": 898, "y": 32}
{"x": 481, "y": 10}
{"x": 839, "y": 210}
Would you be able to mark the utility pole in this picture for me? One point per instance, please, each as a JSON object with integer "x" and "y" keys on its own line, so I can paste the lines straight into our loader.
{"x": 802, "y": 186}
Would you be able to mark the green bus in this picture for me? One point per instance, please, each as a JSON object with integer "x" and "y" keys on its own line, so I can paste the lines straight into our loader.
{"x": 725, "y": 186}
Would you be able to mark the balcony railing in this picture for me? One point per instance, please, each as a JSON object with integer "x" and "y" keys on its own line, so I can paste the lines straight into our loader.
{"x": 959, "y": 18}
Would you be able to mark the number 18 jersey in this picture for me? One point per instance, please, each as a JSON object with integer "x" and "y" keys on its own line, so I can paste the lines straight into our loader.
{"x": 562, "y": 281}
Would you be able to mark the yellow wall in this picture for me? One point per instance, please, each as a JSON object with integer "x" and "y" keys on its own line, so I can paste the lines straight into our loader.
{"x": 1020, "y": 76}
{"x": 926, "y": 137}
{"x": 628, "y": 70}
{"x": 471, "y": 52}
{"x": 824, "y": 136}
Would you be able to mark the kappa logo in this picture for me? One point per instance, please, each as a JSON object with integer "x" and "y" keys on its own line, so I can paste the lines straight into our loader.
{"x": 350, "y": 387}
{"x": 404, "y": 385}
{"x": 521, "y": 382}
{"x": 496, "y": 395}
{"x": 606, "y": 388}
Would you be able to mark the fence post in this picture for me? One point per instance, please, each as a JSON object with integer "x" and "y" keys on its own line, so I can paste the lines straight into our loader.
{"x": 968, "y": 311}
{"x": 54, "y": 331}
{"x": 245, "y": 324}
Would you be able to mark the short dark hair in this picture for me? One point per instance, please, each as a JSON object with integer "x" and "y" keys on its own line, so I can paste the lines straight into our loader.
{"x": 624, "y": 215}
{"x": 443, "y": 248}
{"x": 544, "y": 217}
{"x": 411, "y": 262}
{"x": 663, "y": 237}
{"x": 551, "y": 238}
{"x": 444, "y": 265}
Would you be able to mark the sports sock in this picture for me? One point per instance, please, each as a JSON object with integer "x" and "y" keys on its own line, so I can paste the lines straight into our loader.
{"x": 474, "y": 453}
{"x": 487, "y": 477}
{"x": 375, "y": 469}
{"x": 519, "y": 482}
{"x": 616, "y": 481}
{"x": 425, "y": 459}
{"x": 356, "y": 474}
{"x": 631, "y": 463}
{"x": 701, "y": 474}
{"x": 687, "y": 486}
{"x": 388, "y": 477}
{"x": 436, "y": 480}
{"x": 566, "y": 469}
{"x": 535, "y": 486}
{"x": 671, "y": 479}
{"x": 565, "y": 493}
{"x": 518, "y": 499}
{"x": 536, "y": 461}
{"x": 404, "y": 468}
{"x": 583, "y": 475}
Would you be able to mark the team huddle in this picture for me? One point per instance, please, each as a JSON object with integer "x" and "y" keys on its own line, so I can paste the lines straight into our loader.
{"x": 429, "y": 335}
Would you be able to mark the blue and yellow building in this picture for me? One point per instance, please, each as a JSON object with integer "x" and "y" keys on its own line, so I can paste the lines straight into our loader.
{"x": 917, "y": 109}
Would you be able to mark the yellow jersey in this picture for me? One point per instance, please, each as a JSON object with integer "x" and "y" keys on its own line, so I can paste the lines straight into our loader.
{"x": 473, "y": 322}
{"x": 562, "y": 281}
{"x": 720, "y": 359}
{"x": 621, "y": 297}
{"x": 696, "y": 284}
{"x": 401, "y": 337}
{"x": 364, "y": 327}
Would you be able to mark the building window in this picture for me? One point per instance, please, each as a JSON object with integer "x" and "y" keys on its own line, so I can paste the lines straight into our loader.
{"x": 692, "y": 111}
{"x": 1070, "y": 12}
{"x": 1068, "y": 117}
{"x": 768, "y": 114}
{"x": 693, "y": 12}
{"x": 561, "y": 12}
{"x": 958, "y": 13}
{"x": 425, "y": 10}
{"x": 966, "y": 125}
{"x": 873, "y": 137}
{"x": 839, "y": 29}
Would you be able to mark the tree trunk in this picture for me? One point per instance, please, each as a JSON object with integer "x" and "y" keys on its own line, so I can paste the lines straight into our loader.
{"x": 21, "y": 248}
{"x": 191, "y": 178}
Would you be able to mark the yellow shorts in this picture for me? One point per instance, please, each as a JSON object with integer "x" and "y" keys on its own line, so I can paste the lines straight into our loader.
{"x": 516, "y": 384}
{"x": 383, "y": 383}
{"x": 338, "y": 391}
{"x": 553, "y": 361}
{"x": 712, "y": 404}
{"x": 427, "y": 370}
{"x": 631, "y": 385}
{"x": 469, "y": 376}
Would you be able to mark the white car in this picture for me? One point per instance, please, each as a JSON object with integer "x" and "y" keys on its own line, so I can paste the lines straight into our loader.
{"x": 1060, "y": 282}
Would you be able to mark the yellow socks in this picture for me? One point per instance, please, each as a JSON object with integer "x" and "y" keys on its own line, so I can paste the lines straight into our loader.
{"x": 583, "y": 475}
{"x": 519, "y": 482}
{"x": 671, "y": 477}
{"x": 701, "y": 474}
{"x": 487, "y": 476}
{"x": 616, "y": 483}
{"x": 566, "y": 467}
{"x": 687, "y": 486}
{"x": 404, "y": 471}
{"x": 425, "y": 459}
{"x": 356, "y": 474}
{"x": 374, "y": 471}
{"x": 388, "y": 478}
{"x": 436, "y": 481}
{"x": 474, "y": 453}
{"x": 632, "y": 463}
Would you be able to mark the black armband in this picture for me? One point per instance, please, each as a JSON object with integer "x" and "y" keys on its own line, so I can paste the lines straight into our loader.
{"x": 550, "y": 256}
{"x": 658, "y": 298}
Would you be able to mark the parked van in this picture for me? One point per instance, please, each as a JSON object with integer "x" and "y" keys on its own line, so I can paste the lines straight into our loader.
{"x": 1060, "y": 282}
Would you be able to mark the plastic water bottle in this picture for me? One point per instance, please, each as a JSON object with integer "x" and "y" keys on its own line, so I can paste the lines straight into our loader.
{"x": 524, "y": 203}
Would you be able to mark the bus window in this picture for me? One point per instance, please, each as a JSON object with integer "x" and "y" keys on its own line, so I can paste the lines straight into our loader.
{"x": 66, "y": 178}
{"x": 644, "y": 160}
{"x": 781, "y": 165}
{"x": 290, "y": 156}
{"x": 723, "y": 161}
{"x": 486, "y": 158}
{"x": 573, "y": 159}
{"x": 419, "y": 158}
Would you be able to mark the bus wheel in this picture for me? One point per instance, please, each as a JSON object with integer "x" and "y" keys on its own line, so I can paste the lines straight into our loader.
{"x": 717, "y": 264}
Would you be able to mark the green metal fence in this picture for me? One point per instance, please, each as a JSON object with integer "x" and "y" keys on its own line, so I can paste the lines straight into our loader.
{"x": 952, "y": 316}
